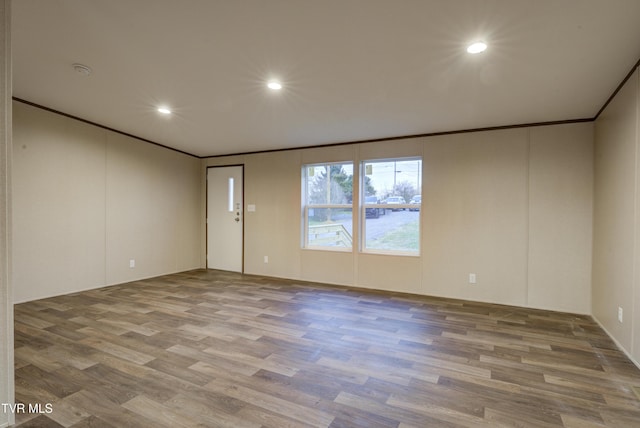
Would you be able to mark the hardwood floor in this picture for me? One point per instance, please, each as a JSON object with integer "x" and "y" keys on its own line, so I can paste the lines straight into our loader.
{"x": 215, "y": 349}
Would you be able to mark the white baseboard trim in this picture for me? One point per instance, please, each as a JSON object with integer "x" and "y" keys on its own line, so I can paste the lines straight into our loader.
{"x": 618, "y": 344}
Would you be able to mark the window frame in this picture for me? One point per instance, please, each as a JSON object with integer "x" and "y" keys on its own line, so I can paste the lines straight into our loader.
{"x": 306, "y": 206}
{"x": 362, "y": 212}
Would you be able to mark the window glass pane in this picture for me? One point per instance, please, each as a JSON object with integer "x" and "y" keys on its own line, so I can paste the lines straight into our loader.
{"x": 393, "y": 178}
{"x": 330, "y": 227}
{"x": 330, "y": 184}
{"x": 392, "y": 201}
{"x": 328, "y": 192}
{"x": 396, "y": 231}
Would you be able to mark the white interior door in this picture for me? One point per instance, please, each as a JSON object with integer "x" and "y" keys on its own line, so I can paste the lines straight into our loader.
{"x": 225, "y": 218}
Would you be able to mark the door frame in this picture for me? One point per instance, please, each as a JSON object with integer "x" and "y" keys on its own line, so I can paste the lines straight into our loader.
{"x": 206, "y": 213}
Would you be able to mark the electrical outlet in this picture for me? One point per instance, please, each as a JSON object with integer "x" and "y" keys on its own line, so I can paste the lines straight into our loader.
{"x": 266, "y": 259}
{"x": 619, "y": 314}
{"x": 132, "y": 263}
{"x": 472, "y": 278}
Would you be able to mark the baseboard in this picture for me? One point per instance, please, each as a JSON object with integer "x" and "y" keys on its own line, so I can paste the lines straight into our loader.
{"x": 618, "y": 344}
{"x": 95, "y": 287}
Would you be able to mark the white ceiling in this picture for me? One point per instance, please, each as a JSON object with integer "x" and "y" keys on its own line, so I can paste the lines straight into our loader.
{"x": 352, "y": 69}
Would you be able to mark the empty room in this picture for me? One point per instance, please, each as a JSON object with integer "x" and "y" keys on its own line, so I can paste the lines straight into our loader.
{"x": 339, "y": 213}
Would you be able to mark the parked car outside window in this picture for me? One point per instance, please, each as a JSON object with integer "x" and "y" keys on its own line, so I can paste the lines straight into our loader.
{"x": 373, "y": 212}
{"x": 395, "y": 200}
{"x": 416, "y": 200}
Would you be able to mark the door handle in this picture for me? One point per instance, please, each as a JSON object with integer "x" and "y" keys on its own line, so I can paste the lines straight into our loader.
{"x": 237, "y": 219}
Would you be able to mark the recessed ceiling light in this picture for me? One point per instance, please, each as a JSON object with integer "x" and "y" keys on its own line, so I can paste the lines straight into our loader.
{"x": 274, "y": 85}
{"x": 81, "y": 69}
{"x": 164, "y": 110}
{"x": 476, "y": 47}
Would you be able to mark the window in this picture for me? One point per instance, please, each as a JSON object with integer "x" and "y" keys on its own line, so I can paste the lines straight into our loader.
{"x": 328, "y": 209}
{"x": 391, "y": 205}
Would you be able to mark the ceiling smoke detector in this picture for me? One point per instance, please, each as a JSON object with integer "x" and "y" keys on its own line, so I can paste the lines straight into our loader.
{"x": 82, "y": 69}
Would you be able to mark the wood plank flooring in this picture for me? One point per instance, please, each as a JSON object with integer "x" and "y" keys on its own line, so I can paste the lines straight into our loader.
{"x": 216, "y": 349}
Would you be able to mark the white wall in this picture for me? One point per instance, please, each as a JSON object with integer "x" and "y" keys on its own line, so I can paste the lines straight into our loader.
{"x": 87, "y": 200}
{"x": 513, "y": 206}
{"x": 616, "y": 257}
{"x": 6, "y": 304}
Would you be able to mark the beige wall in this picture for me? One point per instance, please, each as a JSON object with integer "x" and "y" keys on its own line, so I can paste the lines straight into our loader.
{"x": 87, "y": 200}
{"x": 560, "y": 217}
{"x": 635, "y": 329}
{"x": 6, "y": 303}
{"x": 475, "y": 202}
{"x": 513, "y": 206}
{"x": 616, "y": 260}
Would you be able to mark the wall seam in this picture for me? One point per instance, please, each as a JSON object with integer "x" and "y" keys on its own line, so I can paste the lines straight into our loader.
{"x": 423, "y": 285}
{"x": 636, "y": 280}
{"x": 355, "y": 216}
{"x": 594, "y": 204}
{"x": 106, "y": 175}
{"x": 528, "y": 220}
{"x": 593, "y": 214}
{"x": 7, "y": 381}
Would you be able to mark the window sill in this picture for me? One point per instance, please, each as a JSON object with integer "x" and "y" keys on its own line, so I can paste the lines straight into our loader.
{"x": 391, "y": 253}
{"x": 332, "y": 249}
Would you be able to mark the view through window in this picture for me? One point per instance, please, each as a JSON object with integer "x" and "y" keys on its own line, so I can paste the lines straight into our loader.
{"x": 392, "y": 202}
{"x": 390, "y": 205}
{"x": 328, "y": 213}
